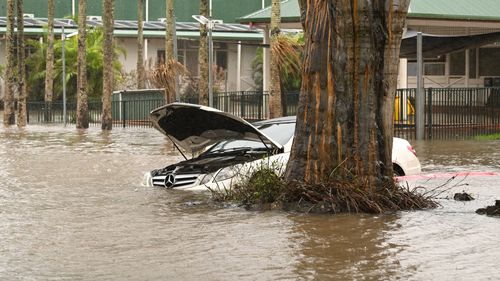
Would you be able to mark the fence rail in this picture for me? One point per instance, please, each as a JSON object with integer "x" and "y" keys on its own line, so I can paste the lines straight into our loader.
{"x": 450, "y": 113}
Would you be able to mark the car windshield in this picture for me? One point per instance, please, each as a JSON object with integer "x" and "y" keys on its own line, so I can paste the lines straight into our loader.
{"x": 278, "y": 132}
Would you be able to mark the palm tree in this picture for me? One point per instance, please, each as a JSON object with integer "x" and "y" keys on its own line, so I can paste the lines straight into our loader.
{"x": 140, "y": 46}
{"x": 170, "y": 62}
{"x": 108, "y": 53}
{"x": 275, "y": 99}
{"x": 49, "y": 63}
{"x": 203, "y": 57}
{"x": 94, "y": 60}
{"x": 82, "y": 119}
{"x": 21, "y": 67}
{"x": 344, "y": 125}
{"x": 9, "y": 117}
{"x": 170, "y": 29}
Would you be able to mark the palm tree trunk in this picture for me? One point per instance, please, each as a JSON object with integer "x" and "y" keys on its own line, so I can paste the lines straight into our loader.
{"x": 140, "y": 46}
{"x": 21, "y": 67}
{"x": 275, "y": 102}
{"x": 169, "y": 50}
{"x": 108, "y": 56}
{"x": 9, "y": 117}
{"x": 82, "y": 119}
{"x": 203, "y": 57}
{"x": 49, "y": 62}
{"x": 344, "y": 122}
{"x": 170, "y": 29}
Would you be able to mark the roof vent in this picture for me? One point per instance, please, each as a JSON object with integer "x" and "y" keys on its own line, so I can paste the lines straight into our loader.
{"x": 162, "y": 19}
{"x": 29, "y": 16}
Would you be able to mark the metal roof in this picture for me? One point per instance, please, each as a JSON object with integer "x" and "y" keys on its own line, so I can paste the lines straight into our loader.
{"x": 128, "y": 28}
{"x": 290, "y": 12}
{"x": 436, "y": 9}
{"x": 456, "y": 9}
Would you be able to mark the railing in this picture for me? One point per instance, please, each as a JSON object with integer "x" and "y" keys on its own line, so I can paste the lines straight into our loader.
{"x": 450, "y": 113}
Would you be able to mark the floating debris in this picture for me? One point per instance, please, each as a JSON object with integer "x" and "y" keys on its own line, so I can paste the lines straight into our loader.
{"x": 464, "y": 196}
{"x": 490, "y": 210}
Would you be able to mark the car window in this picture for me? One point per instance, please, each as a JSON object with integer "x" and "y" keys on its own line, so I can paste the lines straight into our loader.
{"x": 281, "y": 133}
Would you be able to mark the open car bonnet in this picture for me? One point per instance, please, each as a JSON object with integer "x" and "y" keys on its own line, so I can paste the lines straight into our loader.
{"x": 194, "y": 127}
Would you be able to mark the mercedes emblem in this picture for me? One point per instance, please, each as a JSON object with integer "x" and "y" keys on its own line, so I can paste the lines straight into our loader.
{"x": 169, "y": 181}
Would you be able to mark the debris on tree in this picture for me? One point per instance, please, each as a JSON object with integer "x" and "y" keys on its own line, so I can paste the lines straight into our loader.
{"x": 265, "y": 190}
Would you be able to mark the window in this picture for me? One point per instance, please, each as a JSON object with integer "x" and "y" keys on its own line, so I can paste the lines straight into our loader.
{"x": 160, "y": 56}
{"x": 488, "y": 61}
{"x": 433, "y": 67}
{"x": 472, "y": 63}
{"x": 221, "y": 58}
{"x": 457, "y": 63}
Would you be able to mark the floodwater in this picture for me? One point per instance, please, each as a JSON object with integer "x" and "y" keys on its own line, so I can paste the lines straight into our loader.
{"x": 73, "y": 207}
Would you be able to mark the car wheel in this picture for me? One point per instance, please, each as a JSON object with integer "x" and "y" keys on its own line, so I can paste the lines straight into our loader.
{"x": 398, "y": 171}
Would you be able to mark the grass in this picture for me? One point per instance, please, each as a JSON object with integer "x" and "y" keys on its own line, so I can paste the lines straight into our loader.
{"x": 488, "y": 137}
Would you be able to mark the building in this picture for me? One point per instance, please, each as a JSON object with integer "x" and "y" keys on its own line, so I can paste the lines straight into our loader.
{"x": 472, "y": 66}
{"x": 235, "y": 44}
{"x": 246, "y": 27}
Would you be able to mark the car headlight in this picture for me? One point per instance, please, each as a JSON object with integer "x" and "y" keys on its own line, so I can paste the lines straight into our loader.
{"x": 227, "y": 173}
{"x": 207, "y": 178}
{"x": 147, "y": 179}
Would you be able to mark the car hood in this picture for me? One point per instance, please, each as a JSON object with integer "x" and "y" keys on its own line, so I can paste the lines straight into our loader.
{"x": 194, "y": 127}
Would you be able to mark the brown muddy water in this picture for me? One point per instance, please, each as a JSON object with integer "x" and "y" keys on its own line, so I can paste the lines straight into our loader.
{"x": 73, "y": 207}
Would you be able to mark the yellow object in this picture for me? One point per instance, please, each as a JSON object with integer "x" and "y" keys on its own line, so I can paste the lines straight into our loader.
{"x": 403, "y": 117}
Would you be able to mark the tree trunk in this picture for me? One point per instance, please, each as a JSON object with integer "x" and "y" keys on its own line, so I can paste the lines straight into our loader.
{"x": 275, "y": 103}
{"x": 169, "y": 47}
{"x": 21, "y": 67}
{"x": 170, "y": 29}
{"x": 344, "y": 121}
{"x": 140, "y": 46}
{"x": 49, "y": 62}
{"x": 9, "y": 116}
{"x": 82, "y": 119}
{"x": 108, "y": 57}
{"x": 203, "y": 57}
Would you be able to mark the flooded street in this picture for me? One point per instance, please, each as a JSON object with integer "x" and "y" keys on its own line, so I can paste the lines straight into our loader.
{"x": 73, "y": 207}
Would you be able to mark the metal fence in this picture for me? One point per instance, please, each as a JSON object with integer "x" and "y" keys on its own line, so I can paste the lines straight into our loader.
{"x": 450, "y": 113}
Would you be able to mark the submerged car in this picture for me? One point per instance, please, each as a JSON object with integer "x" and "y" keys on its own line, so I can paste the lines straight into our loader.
{"x": 230, "y": 147}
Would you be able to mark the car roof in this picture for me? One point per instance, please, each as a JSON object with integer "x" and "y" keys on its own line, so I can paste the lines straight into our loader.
{"x": 287, "y": 119}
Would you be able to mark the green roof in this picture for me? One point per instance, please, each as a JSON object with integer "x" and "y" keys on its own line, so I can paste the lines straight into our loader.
{"x": 479, "y": 10}
{"x": 290, "y": 12}
{"x": 456, "y": 9}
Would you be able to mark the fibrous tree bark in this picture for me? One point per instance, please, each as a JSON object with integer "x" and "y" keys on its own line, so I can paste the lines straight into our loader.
{"x": 82, "y": 119}
{"x": 108, "y": 57}
{"x": 275, "y": 97}
{"x": 203, "y": 57}
{"x": 141, "y": 75}
{"x": 9, "y": 116}
{"x": 344, "y": 121}
{"x": 49, "y": 61}
{"x": 169, "y": 50}
{"x": 21, "y": 67}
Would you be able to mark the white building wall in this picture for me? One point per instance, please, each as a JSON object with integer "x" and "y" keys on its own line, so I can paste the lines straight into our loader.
{"x": 129, "y": 60}
{"x": 247, "y": 55}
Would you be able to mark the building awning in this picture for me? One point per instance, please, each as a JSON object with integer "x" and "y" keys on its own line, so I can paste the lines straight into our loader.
{"x": 436, "y": 45}
{"x": 152, "y": 29}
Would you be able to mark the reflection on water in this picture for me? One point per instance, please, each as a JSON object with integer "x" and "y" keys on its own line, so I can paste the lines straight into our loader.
{"x": 73, "y": 207}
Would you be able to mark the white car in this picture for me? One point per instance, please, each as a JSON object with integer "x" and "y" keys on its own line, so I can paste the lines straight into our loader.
{"x": 231, "y": 147}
